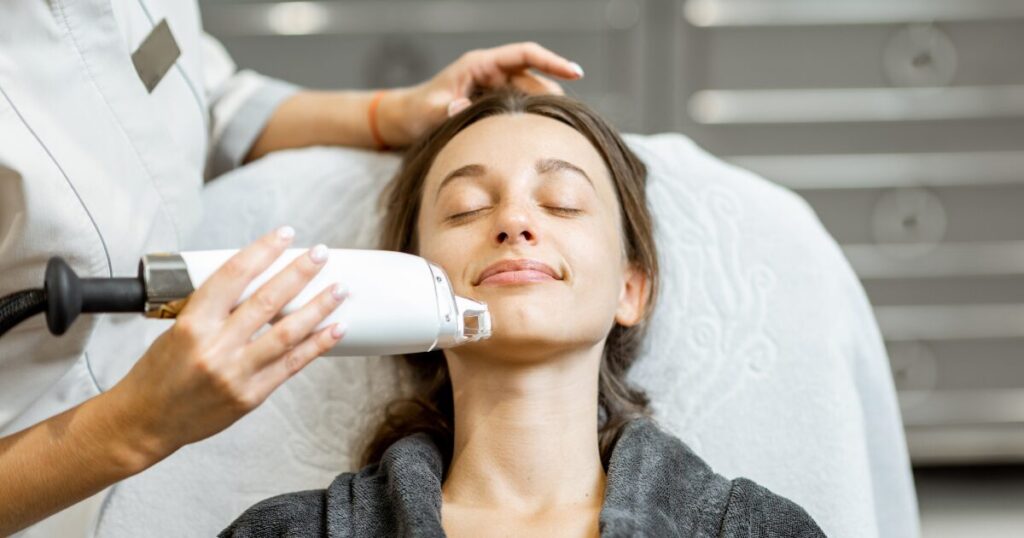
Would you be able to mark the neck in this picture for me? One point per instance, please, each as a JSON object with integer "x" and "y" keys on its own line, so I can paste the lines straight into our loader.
{"x": 526, "y": 433}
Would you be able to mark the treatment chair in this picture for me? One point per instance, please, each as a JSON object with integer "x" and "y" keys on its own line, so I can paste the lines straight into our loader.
{"x": 763, "y": 356}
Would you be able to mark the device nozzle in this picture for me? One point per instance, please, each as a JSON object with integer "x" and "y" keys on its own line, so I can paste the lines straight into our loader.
{"x": 476, "y": 319}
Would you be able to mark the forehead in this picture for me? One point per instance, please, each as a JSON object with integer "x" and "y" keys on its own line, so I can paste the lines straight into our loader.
{"x": 509, "y": 142}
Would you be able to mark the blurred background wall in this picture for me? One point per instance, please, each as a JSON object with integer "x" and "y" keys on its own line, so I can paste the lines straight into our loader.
{"x": 900, "y": 121}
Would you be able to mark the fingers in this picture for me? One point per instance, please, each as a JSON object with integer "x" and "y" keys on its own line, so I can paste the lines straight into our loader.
{"x": 218, "y": 295}
{"x": 491, "y": 68}
{"x": 295, "y": 328}
{"x": 294, "y": 360}
{"x": 277, "y": 292}
{"x": 536, "y": 84}
{"x": 521, "y": 56}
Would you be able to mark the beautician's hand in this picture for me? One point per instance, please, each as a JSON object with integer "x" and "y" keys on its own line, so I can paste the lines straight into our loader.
{"x": 343, "y": 118}
{"x": 422, "y": 107}
{"x": 207, "y": 370}
{"x": 198, "y": 378}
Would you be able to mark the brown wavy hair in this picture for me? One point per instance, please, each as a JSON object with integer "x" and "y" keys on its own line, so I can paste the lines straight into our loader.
{"x": 431, "y": 409}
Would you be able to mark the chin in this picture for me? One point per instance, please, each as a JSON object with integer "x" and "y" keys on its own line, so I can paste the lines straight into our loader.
{"x": 513, "y": 348}
{"x": 523, "y": 315}
{"x": 533, "y": 322}
{"x": 540, "y": 339}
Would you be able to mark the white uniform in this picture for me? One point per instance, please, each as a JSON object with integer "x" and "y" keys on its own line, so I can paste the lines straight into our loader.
{"x": 99, "y": 170}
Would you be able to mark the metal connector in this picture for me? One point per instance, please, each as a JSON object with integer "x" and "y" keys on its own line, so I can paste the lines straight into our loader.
{"x": 167, "y": 282}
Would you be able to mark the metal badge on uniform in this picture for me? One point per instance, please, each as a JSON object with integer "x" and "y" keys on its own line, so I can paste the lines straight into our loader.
{"x": 156, "y": 55}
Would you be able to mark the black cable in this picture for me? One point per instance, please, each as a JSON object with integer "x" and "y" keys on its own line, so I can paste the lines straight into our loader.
{"x": 19, "y": 306}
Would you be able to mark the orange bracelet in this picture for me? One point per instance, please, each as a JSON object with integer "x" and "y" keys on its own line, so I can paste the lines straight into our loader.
{"x": 374, "y": 131}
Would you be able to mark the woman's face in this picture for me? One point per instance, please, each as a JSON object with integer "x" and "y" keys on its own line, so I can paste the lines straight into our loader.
{"x": 532, "y": 192}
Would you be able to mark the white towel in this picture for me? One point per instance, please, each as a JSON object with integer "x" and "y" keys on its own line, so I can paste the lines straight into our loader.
{"x": 763, "y": 356}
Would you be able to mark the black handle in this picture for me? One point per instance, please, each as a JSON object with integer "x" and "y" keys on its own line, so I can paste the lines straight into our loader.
{"x": 68, "y": 296}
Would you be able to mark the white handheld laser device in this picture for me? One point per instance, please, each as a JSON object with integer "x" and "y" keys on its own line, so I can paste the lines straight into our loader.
{"x": 398, "y": 303}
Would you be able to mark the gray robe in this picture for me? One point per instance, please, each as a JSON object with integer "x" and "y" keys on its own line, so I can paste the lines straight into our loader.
{"x": 656, "y": 486}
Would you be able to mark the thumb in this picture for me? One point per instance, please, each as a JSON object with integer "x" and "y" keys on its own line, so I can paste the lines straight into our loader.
{"x": 457, "y": 105}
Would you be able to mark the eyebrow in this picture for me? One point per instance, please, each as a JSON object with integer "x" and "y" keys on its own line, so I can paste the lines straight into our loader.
{"x": 542, "y": 167}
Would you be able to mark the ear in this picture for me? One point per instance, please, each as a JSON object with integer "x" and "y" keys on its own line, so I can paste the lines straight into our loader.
{"x": 633, "y": 298}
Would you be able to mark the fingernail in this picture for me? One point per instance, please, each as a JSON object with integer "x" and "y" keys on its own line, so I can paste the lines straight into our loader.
{"x": 576, "y": 69}
{"x": 318, "y": 254}
{"x": 337, "y": 330}
{"x": 457, "y": 106}
{"x": 339, "y": 291}
{"x": 285, "y": 233}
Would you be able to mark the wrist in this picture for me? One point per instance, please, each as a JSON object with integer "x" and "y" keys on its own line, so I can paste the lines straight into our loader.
{"x": 131, "y": 441}
{"x": 395, "y": 118}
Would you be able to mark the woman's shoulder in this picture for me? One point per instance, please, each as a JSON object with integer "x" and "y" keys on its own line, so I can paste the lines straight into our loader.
{"x": 656, "y": 475}
{"x": 405, "y": 481}
{"x": 301, "y": 513}
{"x": 754, "y": 510}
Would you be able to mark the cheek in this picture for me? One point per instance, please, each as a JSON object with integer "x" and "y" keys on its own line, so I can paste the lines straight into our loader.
{"x": 597, "y": 243}
{"x": 595, "y": 260}
{"x": 437, "y": 247}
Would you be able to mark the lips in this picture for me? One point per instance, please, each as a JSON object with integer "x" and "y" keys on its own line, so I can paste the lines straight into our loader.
{"x": 517, "y": 266}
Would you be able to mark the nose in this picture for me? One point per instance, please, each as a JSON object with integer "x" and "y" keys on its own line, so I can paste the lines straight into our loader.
{"x": 514, "y": 226}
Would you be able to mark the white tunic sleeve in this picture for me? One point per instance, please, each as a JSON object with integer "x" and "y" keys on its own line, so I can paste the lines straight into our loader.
{"x": 241, "y": 103}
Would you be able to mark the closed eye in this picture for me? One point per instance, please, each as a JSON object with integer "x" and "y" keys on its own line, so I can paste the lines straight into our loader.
{"x": 462, "y": 216}
{"x": 565, "y": 210}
